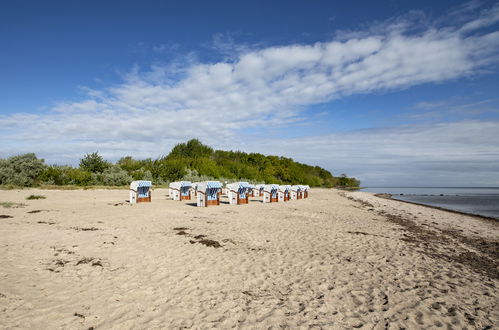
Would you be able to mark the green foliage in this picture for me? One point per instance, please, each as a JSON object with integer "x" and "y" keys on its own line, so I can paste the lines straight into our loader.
{"x": 21, "y": 170}
{"x": 344, "y": 181}
{"x": 94, "y": 163}
{"x": 66, "y": 175}
{"x": 190, "y": 161}
{"x": 167, "y": 170}
{"x": 191, "y": 149}
{"x": 205, "y": 162}
{"x": 115, "y": 176}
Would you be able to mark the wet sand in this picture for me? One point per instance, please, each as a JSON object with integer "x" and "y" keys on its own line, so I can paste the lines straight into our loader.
{"x": 84, "y": 259}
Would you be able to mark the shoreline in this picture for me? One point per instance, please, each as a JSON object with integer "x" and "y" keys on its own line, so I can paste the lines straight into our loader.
{"x": 424, "y": 233}
{"x": 478, "y": 216}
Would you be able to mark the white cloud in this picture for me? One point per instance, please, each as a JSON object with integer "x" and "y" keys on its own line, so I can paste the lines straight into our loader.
{"x": 256, "y": 89}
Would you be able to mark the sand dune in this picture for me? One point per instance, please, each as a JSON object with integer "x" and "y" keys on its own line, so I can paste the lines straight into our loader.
{"x": 85, "y": 259}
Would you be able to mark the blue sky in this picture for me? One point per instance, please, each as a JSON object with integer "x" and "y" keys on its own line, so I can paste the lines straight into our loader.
{"x": 392, "y": 92}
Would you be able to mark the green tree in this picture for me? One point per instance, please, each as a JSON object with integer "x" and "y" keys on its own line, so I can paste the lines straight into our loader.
{"x": 191, "y": 149}
{"x": 94, "y": 163}
{"x": 169, "y": 170}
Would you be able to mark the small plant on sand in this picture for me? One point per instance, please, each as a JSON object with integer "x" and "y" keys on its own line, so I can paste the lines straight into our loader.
{"x": 30, "y": 197}
{"x": 9, "y": 205}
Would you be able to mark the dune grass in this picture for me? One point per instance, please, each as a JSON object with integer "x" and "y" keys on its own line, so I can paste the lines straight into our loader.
{"x": 9, "y": 205}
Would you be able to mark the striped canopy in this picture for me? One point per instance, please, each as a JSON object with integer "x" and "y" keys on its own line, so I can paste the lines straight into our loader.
{"x": 270, "y": 187}
{"x": 285, "y": 188}
{"x": 180, "y": 184}
{"x": 144, "y": 184}
{"x": 240, "y": 187}
{"x": 213, "y": 184}
{"x": 140, "y": 184}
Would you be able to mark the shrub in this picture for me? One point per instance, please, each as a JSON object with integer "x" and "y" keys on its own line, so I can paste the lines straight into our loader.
{"x": 21, "y": 170}
{"x": 115, "y": 176}
{"x": 56, "y": 175}
{"x": 79, "y": 177}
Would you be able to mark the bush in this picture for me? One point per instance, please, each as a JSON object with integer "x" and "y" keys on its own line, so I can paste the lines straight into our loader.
{"x": 115, "y": 176}
{"x": 21, "y": 170}
{"x": 79, "y": 177}
{"x": 56, "y": 175}
{"x": 142, "y": 174}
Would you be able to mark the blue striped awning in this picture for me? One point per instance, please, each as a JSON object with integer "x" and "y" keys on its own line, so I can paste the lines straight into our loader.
{"x": 243, "y": 185}
{"x": 144, "y": 184}
{"x": 185, "y": 184}
{"x": 213, "y": 184}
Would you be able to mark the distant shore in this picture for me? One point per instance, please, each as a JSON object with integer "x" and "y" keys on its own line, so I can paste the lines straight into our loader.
{"x": 482, "y": 217}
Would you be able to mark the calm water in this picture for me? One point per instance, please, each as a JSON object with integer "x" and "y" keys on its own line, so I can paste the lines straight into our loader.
{"x": 482, "y": 201}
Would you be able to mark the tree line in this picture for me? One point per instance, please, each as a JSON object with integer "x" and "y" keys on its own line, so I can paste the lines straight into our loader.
{"x": 190, "y": 161}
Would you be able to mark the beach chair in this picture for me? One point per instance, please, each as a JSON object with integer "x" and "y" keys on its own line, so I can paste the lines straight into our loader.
{"x": 194, "y": 190}
{"x": 140, "y": 191}
{"x": 238, "y": 192}
{"x": 270, "y": 193}
{"x": 180, "y": 190}
{"x": 251, "y": 190}
{"x": 283, "y": 193}
{"x": 295, "y": 192}
{"x": 305, "y": 194}
{"x": 208, "y": 193}
{"x": 258, "y": 190}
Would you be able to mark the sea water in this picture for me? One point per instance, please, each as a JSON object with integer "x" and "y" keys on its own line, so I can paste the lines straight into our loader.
{"x": 481, "y": 201}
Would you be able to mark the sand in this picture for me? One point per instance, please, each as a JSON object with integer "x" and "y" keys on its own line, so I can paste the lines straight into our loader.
{"x": 84, "y": 259}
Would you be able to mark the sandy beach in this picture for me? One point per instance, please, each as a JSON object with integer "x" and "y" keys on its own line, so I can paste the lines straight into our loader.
{"x": 85, "y": 259}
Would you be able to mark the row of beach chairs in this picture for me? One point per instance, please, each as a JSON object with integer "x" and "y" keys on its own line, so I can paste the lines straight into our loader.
{"x": 208, "y": 193}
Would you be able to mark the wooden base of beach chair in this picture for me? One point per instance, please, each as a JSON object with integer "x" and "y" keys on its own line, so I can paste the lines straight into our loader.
{"x": 144, "y": 199}
{"x": 213, "y": 202}
{"x": 187, "y": 198}
{"x": 274, "y": 200}
{"x": 242, "y": 200}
